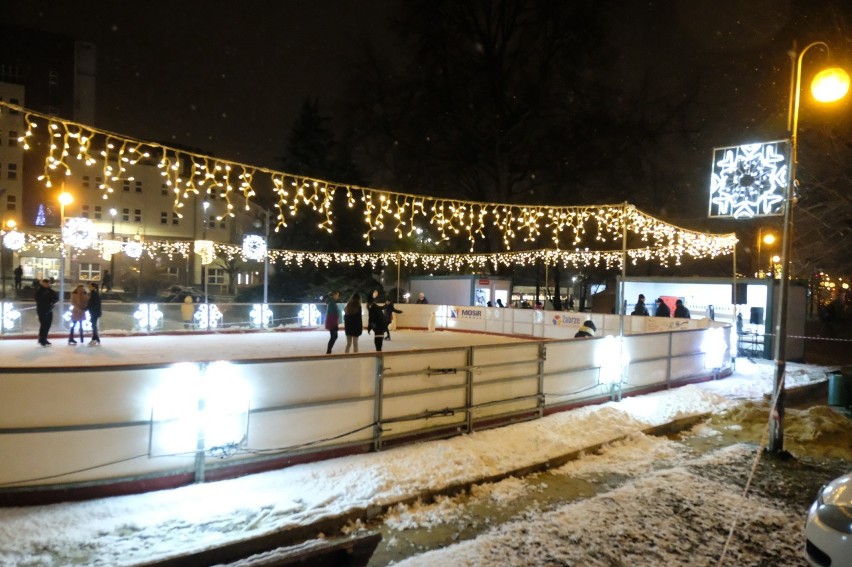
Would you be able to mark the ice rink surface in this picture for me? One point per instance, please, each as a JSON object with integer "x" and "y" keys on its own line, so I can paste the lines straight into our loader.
{"x": 194, "y": 347}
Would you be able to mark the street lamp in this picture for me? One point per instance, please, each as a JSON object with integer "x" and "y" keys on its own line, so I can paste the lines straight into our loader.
{"x": 827, "y": 86}
{"x": 763, "y": 238}
{"x": 64, "y": 200}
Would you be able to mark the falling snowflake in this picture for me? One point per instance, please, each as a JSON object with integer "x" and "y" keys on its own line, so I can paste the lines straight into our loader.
{"x": 749, "y": 180}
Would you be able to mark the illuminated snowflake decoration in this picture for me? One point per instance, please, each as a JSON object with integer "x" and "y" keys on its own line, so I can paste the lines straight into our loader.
{"x": 309, "y": 316}
{"x": 13, "y": 240}
{"x": 749, "y": 180}
{"x": 79, "y": 233}
{"x": 110, "y": 247}
{"x": 254, "y": 247}
{"x": 207, "y": 316}
{"x": 66, "y": 319}
{"x": 260, "y": 315}
{"x": 11, "y": 316}
{"x": 133, "y": 249}
{"x": 148, "y": 316}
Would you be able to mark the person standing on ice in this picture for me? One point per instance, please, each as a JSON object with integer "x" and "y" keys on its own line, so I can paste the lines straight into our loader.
{"x": 587, "y": 330}
{"x": 377, "y": 323}
{"x": 640, "y": 308}
{"x": 681, "y": 312}
{"x": 332, "y": 319}
{"x": 662, "y": 309}
{"x": 94, "y": 308}
{"x": 79, "y": 300}
{"x": 45, "y": 298}
{"x": 390, "y": 309}
{"x": 353, "y": 324}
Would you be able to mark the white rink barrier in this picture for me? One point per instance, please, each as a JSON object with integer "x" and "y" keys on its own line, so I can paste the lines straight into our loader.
{"x": 70, "y": 433}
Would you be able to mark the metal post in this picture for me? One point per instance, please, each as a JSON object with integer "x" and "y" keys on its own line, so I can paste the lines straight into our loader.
{"x": 776, "y": 424}
{"x": 266, "y": 269}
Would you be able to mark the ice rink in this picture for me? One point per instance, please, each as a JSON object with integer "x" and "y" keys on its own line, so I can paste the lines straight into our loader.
{"x": 199, "y": 347}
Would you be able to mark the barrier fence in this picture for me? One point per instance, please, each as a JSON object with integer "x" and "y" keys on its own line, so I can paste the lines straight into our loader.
{"x": 102, "y": 430}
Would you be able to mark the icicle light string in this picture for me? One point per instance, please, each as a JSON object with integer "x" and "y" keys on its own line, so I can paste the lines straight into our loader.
{"x": 187, "y": 174}
{"x": 609, "y": 259}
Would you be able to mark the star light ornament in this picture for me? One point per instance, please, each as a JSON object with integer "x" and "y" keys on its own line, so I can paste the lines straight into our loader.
{"x": 14, "y": 240}
{"x": 254, "y": 247}
{"x": 11, "y": 316}
{"x": 260, "y": 315}
{"x": 148, "y": 316}
{"x": 79, "y": 233}
{"x": 749, "y": 180}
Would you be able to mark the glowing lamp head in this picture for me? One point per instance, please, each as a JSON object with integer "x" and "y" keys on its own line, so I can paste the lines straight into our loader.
{"x": 769, "y": 238}
{"x": 830, "y": 85}
{"x": 11, "y": 224}
{"x": 65, "y": 198}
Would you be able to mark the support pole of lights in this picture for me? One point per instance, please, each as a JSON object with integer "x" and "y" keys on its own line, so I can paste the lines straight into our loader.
{"x": 205, "y": 205}
{"x": 829, "y": 85}
{"x": 64, "y": 199}
{"x": 112, "y": 213}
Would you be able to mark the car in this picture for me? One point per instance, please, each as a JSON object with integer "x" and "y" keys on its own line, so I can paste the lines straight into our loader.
{"x": 828, "y": 530}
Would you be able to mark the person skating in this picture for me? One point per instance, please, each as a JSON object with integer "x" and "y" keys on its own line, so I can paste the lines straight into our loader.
{"x": 19, "y": 276}
{"x": 45, "y": 299}
{"x": 79, "y": 299}
{"x": 389, "y": 311}
{"x": 94, "y": 308}
{"x": 332, "y": 319}
{"x": 377, "y": 323}
{"x": 353, "y": 324}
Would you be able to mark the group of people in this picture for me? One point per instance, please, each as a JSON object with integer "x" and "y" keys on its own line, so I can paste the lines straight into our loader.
{"x": 380, "y": 313}
{"x": 680, "y": 312}
{"x": 81, "y": 302}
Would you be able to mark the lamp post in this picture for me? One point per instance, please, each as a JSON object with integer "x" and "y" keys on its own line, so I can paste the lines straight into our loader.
{"x": 205, "y": 205}
{"x": 112, "y": 213}
{"x": 64, "y": 199}
{"x": 265, "y": 257}
{"x": 829, "y": 85}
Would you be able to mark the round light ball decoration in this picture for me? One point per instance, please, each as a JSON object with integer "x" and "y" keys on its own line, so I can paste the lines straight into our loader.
{"x": 14, "y": 240}
{"x": 133, "y": 250}
{"x": 79, "y": 233}
{"x": 254, "y": 247}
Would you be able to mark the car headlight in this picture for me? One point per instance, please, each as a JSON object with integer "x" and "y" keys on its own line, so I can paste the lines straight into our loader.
{"x": 836, "y": 515}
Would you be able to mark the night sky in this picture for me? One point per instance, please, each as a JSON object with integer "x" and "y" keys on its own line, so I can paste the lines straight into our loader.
{"x": 229, "y": 78}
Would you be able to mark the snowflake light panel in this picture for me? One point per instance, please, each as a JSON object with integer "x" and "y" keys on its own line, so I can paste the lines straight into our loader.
{"x": 254, "y": 247}
{"x": 749, "y": 180}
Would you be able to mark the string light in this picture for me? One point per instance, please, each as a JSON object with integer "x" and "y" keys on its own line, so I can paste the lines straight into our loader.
{"x": 187, "y": 174}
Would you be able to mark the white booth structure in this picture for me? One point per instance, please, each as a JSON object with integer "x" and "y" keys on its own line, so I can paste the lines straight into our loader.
{"x": 462, "y": 289}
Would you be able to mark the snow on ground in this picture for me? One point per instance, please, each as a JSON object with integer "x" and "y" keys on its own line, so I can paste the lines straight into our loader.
{"x": 132, "y": 529}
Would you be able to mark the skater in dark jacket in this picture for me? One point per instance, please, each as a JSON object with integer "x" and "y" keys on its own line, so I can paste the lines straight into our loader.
{"x": 390, "y": 309}
{"x": 377, "y": 323}
{"x": 94, "y": 309}
{"x": 352, "y": 322}
{"x": 681, "y": 312}
{"x": 662, "y": 309}
{"x": 45, "y": 298}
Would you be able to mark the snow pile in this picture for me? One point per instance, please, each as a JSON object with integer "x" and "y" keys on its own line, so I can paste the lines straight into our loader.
{"x": 648, "y": 521}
